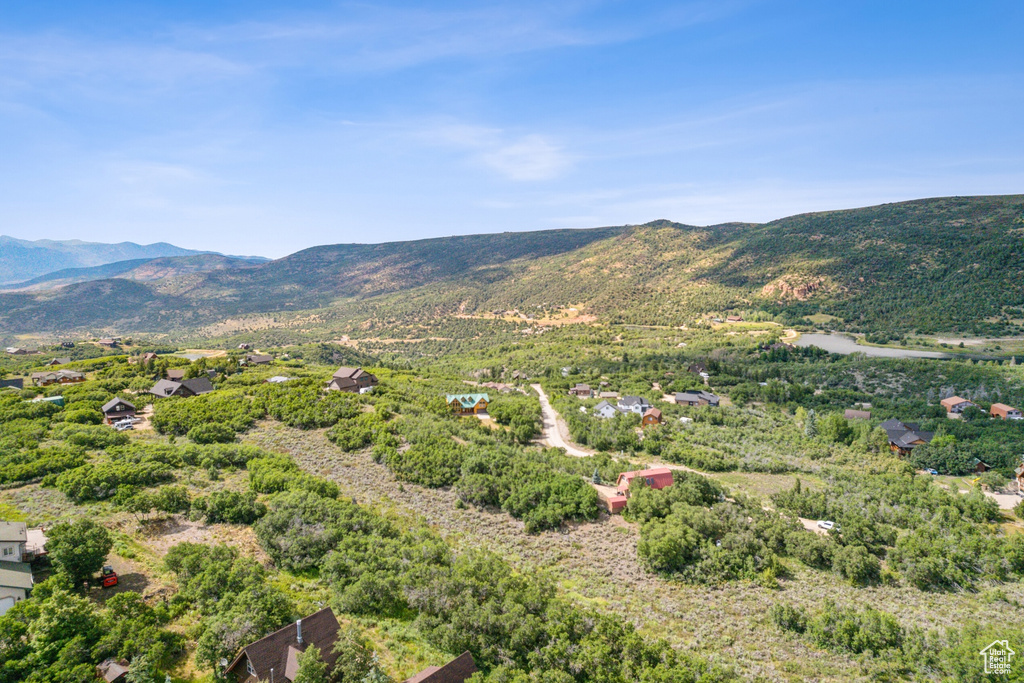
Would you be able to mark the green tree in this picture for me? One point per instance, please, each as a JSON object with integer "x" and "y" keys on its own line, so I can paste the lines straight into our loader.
{"x": 312, "y": 667}
{"x": 79, "y": 548}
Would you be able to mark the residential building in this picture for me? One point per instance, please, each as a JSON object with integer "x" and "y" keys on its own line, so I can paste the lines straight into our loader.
{"x": 353, "y": 380}
{"x": 15, "y": 573}
{"x": 467, "y": 404}
{"x": 696, "y": 398}
{"x": 851, "y": 414}
{"x": 904, "y": 437}
{"x": 113, "y": 670}
{"x": 56, "y": 361}
{"x": 979, "y": 466}
{"x": 734, "y": 319}
{"x": 656, "y": 478}
{"x": 634, "y": 404}
{"x": 606, "y": 410}
{"x": 109, "y": 342}
{"x": 276, "y": 657}
{"x": 117, "y": 409}
{"x": 175, "y": 374}
{"x": 698, "y": 369}
{"x": 651, "y": 417}
{"x": 458, "y": 670}
{"x": 257, "y": 359}
{"x": 245, "y": 347}
{"x": 1005, "y": 412}
{"x": 20, "y": 350}
{"x": 609, "y": 395}
{"x": 189, "y": 387}
{"x": 582, "y": 391}
{"x": 956, "y": 405}
{"x": 45, "y": 379}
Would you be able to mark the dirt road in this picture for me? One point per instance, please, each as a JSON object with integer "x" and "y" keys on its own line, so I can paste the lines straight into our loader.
{"x": 555, "y": 431}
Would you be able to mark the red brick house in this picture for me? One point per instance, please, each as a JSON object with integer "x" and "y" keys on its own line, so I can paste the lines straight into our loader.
{"x": 956, "y": 405}
{"x": 656, "y": 478}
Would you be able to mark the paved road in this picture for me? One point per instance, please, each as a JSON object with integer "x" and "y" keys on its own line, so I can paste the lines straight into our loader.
{"x": 553, "y": 426}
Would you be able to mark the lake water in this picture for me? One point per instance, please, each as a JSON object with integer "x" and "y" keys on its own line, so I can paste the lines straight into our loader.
{"x": 840, "y": 343}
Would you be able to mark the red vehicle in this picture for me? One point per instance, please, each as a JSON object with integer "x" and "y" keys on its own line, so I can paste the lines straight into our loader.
{"x": 108, "y": 577}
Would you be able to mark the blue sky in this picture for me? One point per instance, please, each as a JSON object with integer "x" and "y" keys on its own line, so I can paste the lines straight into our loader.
{"x": 264, "y": 128}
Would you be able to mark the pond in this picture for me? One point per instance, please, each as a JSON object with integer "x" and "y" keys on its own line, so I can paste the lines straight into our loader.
{"x": 840, "y": 343}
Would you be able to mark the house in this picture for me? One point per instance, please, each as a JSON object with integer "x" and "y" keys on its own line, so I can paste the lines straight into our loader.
{"x": 117, "y": 409}
{"x": 956, "y": 405}
{"x": 67, "y": 345}
{"x": 696, "y": 398}
{"x": 185, "y": 388}
{"x": 148, "y": 356}
{"x": 606, "y": 410}
{"x": 851, "y": 414}
{"x": 17, "y": 383}
{"x": 15, "y": 573}
{"x": 245, "y": 347}
{"x": 651, "y": 417}
{"x": 634, "y": 404}
{"x": 698, "y": 369}
{"x": 456, "y": 671}
{"x": 904, "y": 437}
{"x": 276, "y": 657}
{"x": 656, "y": 478}
{"x": 45, "y": 379}
{"x": 257, "y": 359}
{"x": 176, "y": 374}
{"x": 467, "y": 404}
{"x": 1004, "y": 411}
{"x": 109, "y": 342}
{"x": 20, "y": 350}
{"x": 582, "y": 391}
{"x": 353, "y": 380}
{"x": 979, "y": 466}
{"x": 112, "y": 670}
{"x": 609, "y": 395}
{"x": 734, "y": 319}
{"x": 56, "y": 361}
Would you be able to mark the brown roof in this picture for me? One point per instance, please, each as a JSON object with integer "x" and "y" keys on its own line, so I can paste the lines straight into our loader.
{"x": 653, "y": 412}
{"x": 112, "y": 670}
{"x": 176, "y": 374}
{"x": 258, "y": 358}
{"x": 279, "y": 650}
{"x": 348, "y": 373}
{"x": 851, "y": 414}
{"x": 456, "y": 671}
{"x": 953, "y": 400}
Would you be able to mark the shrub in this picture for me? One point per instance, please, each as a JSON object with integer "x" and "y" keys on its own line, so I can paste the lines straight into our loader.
{"x": 233, "y": 507}
{"x": 211, "y": 433}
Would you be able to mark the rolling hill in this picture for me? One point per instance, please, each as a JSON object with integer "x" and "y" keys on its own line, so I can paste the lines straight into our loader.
{"x": 947, "y": 264}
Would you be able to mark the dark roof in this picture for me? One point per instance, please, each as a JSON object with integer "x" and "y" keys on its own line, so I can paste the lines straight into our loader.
{"x": 165, "y": 387}
{"x": 258, "y": 358}
{"x": 456, "y": 671}
{"x": 198, "y": 385}
{"x": 634, "y": 401}
{"x": 696, "y": 397}
{"x": 697, "y": 368}
{"x": 894, "y": 424}
{"x": 112, "y": 403}
{"x": 281, "y": 647}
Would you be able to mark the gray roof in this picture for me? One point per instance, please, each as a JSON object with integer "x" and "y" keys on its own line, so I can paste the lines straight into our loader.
{"x": 109, "y": 405}
{"x": 165, "y": 387}
{"x": 604, "y": 404}
{"x": 16, "y": 575}
{"x": 198, "y": 385}
{"x": 13, "y": 532}
{"x": 634, "y": 401}
{"x": 696, "y": 397}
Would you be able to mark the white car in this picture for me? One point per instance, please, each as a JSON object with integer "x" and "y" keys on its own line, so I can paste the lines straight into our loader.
{"x": 123, "y": 425}
{"x": 826, "y": 525}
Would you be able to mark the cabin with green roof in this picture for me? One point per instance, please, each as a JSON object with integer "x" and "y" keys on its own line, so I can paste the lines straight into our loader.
{"x": 467, "y": 404}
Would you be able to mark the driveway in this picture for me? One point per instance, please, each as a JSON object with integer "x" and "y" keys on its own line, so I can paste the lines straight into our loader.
{"x": 555, "y": 432}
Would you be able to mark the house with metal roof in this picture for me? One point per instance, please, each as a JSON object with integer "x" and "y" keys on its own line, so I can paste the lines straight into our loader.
{"x": 467, "y": 404}
{"x": 276, "y": 657}
{"x": 696, "y": 398}
{"x": 905, "y": 437}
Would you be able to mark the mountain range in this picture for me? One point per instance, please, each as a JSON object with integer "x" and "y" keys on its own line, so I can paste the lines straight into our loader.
{"x": 25, "y": 260}
{"x": 932, "y": 265}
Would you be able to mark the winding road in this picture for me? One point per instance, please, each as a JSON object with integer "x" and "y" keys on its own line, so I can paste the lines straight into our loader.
{"x": 553, "y": 427}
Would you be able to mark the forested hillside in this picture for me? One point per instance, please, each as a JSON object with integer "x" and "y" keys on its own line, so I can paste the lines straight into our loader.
{"x": 936, "y": 265}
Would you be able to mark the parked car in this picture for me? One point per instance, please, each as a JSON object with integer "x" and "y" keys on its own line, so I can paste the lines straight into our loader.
{"x": 123, "y": 425}
{"x": 932, "y": 472}
{"x": 826, "y": 525}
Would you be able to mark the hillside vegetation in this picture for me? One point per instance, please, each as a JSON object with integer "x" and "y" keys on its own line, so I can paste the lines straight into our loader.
{"x": 935, "y": 265}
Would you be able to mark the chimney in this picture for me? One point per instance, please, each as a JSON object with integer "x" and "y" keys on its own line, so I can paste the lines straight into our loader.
{"x": 298, "y": 631}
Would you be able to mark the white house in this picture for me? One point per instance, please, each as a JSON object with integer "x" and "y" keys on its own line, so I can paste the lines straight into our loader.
{"x": 634, "y": 404}
{"x": 605, "y": 410}
{"x": 15, "y": 575}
